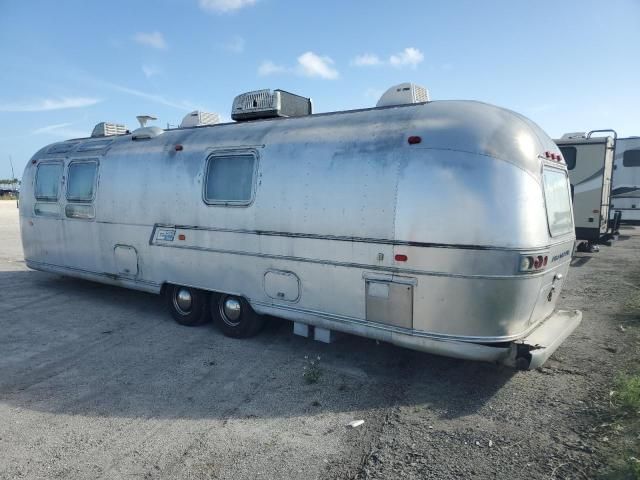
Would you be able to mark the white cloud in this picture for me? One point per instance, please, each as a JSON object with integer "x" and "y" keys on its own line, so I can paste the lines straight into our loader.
{"x": 49, "y": 104}
{"x": 269, "y": 68}
{"x": 409, "y": 56}
{"x": 184, "y": 105}
{"x": 151, "y": 39}
{"x": 312, "y": 65}
{"x": 234, "y": 45}
{"x": 366, "y": 60}
{"x": 224, "y": 6}
{"x": 150, "y": 71}
{"x": 309, "y": 65}
{"x": 61, "y": 130}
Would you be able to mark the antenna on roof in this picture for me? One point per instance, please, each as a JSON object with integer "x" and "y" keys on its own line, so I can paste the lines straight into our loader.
{"x": 143, "y": 119}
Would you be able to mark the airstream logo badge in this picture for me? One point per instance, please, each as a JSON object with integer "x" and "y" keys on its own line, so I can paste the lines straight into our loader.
{"x": 566, "y": 253}
{"x": 165, "y": 234}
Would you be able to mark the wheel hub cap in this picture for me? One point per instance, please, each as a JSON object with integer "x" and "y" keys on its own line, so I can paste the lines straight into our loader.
{"x": 232, "y": 309}
{"x": 183, "y": 300}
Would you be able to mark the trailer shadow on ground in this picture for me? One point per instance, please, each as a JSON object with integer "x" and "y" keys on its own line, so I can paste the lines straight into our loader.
{"x": 81, "y": 348}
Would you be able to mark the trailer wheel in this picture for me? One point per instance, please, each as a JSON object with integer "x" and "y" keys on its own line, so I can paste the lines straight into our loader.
{"x": 188, "y": 306}
{"x": 235, "y": 317}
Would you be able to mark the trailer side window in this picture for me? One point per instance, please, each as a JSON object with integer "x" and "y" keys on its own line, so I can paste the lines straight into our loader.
{"x": 556, "y": 197}
{"x": 82, "y": 180}
{"x": 230, "y": 179}
{"x": 48, "y": 178}
{"x": 569, "y": 154}
{"x": 631, "y": 158}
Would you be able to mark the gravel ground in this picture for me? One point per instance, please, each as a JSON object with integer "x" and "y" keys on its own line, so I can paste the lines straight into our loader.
{"x": 99, "y": 382}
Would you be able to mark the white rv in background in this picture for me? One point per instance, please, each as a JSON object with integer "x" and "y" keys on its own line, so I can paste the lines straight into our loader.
{"x": 589, "y": 161}
{"x": 625, "y": 194}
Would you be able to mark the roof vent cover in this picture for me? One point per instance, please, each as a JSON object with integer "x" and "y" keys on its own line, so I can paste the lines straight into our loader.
{"x": 574, "y": 135}
{"x": 198, "y": 118}
{"x": 106, "y": 129}
{"x": 268, "y": 104}
{"x": 403, "y": 94}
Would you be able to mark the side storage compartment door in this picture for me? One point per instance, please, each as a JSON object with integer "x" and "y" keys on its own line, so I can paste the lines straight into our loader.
{"x": 126, "y": 260}
{"x": 389, "y": 300}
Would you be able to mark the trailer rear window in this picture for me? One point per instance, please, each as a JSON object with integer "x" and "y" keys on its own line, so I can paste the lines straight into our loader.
{"x": 631, "y": 158}
{"x": 48, "y": 178}
{"x": 556, "y": 196}
{"x": 229, "y": 179}
{"x": 569, "y": 154}
{"x": 82, "y": 180}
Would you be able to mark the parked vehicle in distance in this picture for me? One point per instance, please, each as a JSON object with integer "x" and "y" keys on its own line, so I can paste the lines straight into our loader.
{"x": 442, "y": 226}
{"x": 589, "y": 161}
{"x": 625, "y": 195}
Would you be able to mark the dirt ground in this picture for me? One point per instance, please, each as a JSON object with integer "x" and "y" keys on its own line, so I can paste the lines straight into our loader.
{"x": 99, "y": 382}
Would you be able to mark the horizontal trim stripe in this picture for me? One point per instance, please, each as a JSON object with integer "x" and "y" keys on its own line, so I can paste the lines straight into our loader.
{"x": 339, "y": 238}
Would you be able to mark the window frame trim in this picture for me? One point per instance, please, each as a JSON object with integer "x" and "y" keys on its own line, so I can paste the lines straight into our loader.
{"x": 95, "y": 182}
{"x": 52, "y": 161}
{"x": 555, "y": 168}
{"x": 229, "y": 153}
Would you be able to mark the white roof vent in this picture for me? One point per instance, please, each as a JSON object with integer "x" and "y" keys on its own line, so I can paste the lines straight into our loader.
{"x": 143, "y": 119}
{"x": 574, "y": 135}
{"x": 198, "y": 118}
{"x": 146, "y": 133}
{"x": 403, "y": 94}
{"x": 106, "y": 129}
{"x": 268, "y": 104}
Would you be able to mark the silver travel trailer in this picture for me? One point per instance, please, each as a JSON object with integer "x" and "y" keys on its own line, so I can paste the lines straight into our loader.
{"x": 589, "y": 160}
{"x": 441, "y": 226}
{"x": 625, "y": 195}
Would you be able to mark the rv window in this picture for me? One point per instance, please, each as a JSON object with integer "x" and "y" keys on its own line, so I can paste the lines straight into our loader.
{"x": 230, "y": 179}
{"x": 556, "y": 196}
{"x": 82, "y": 179}
{"x": 631, "y": 158}
{"x": 569, "y": 154}
{"x": 48, "y": 181}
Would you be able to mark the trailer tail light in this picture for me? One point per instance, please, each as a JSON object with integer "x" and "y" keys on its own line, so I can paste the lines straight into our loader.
{"x": 401, "y": 257}
{"x": 414, "y": 139}
{"x": 533, "y": 263}
{"x": 554, "y": 156}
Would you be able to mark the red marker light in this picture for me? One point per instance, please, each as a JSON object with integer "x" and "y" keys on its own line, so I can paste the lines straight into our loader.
{"x": 401, "y": 257}
{"x": 179, "y": 148}
{"x": 414, "y": 139}
{"x": 182, "y": 237}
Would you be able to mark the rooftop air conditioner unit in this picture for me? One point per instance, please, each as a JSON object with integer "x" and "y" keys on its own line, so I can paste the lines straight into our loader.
{"x": 268, "y": 104}
{"x": 106, "y": 129}
{"x": 403, "y": 94}
{"x": 574, "y": 135}
{"x": 198, "y": 118}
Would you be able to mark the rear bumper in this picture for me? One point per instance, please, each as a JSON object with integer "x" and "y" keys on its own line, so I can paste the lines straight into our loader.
{"x": 533, "y": 350}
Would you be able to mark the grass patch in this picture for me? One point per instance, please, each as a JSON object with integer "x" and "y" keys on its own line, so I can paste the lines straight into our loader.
{"x": 626, "y": 394}
{"x": 625, "y": 403}
{"x": 311, "y": 372}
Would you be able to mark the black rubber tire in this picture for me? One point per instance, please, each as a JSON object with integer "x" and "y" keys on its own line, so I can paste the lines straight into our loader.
{"x": 247, "y": 325}
{"x": 198, "y": 314}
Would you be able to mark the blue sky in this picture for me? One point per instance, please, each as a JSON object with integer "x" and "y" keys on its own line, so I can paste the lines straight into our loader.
{"x": 67, "y": 65}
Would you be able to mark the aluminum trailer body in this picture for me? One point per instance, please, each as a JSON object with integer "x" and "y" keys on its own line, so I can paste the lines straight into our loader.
{"x": 437, "y": 226}
{"x": 625, "y": 195}
{"x": 590, "y": 165}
